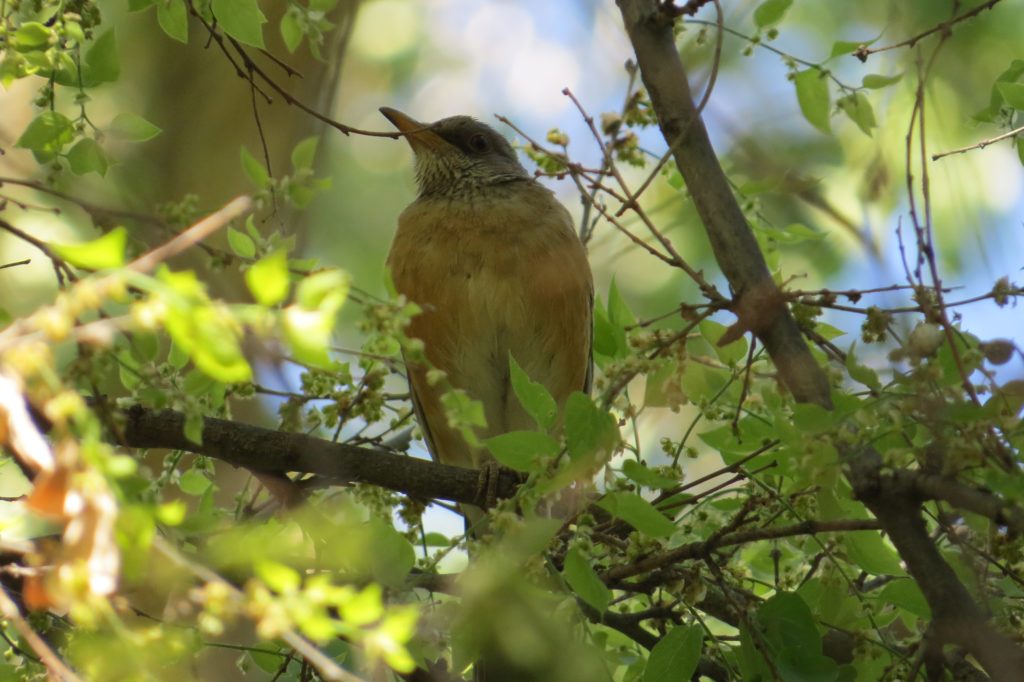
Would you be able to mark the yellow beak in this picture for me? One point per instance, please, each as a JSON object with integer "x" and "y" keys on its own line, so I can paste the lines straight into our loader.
{"x": 419, "y": 135}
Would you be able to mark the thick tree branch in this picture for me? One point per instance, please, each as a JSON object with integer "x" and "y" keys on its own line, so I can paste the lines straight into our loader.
{"x": 266, "y": 450}
{"x": 735, "y": 248}
{"x": 761, "y": 308}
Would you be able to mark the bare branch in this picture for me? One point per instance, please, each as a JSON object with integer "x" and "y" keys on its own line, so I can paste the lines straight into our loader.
{"x": 863, "y": 52}
{"x": 979, "y": 145}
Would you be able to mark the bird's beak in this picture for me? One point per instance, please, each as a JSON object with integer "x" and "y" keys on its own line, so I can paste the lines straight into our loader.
{"x": 419, "y": 135}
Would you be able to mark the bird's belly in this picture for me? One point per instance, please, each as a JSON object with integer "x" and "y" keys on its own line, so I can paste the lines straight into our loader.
{"x": 492, "y": 319}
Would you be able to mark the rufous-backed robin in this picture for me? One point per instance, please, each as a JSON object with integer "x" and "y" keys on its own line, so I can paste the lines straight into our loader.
{"x": 492, "y": 259}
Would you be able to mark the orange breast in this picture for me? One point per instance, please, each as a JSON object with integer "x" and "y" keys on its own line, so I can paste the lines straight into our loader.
{"x": 498, "y": 277}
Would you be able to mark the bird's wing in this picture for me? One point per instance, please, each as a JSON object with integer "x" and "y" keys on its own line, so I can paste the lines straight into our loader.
{"x": 588, "y": 381}
{"x": 417, "y": 408}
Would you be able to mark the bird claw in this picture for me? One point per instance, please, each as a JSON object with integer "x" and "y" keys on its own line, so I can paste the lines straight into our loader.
{"x": 487, "y": 484}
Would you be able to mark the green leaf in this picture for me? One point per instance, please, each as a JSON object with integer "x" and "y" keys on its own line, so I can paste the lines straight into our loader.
{"x": 31, "y": 36}
{"x": 732, "y": 353}
{"x": 303, "y": 192}
{"x": 267, "y": 279}
{"x": 171, "y": 513}
{"x": 794, "y": 233}
{"x": 172, "y": 15}
{"x": 675, "y": 657}
{"x": 637, "y": 512}
{"x": 278, "y": 577}
{"x": 254, "y": 169}
{"x": 464, "y": 413}
{"x": 861, "y": 373}
{"x": 98, "y": 254}
{"x": 145, "y": 345}
{"x": 267, "y": 661}
{"x": 240, "y": 19}
{"x": 858, "y": 108}
{"x": 841, "y": 47}
{"x": 206, "y": 332}
{"x": 241, "y": 243}
{"x": 1013, "y": 94}
{"x": 127, "y": 369}
{"x": 194, "y": 482}
{"x": 590, "y": 432}
{"x": 435, "y": 539}
{"x": 177, "y": 357}
{"x": 812, "y": 418}
{"x": 309, "y": 333}
{"x": 813, "y": 95}
{"x": 73, "y": 32}
{"x": 792, "y": 639}
{"x": 216, "y": 350}
{"x": 663, "y": 387}
{"x": 519, "y": 450}
{"x": 867, "y": 550}
{"x": 1011, "y": 75}
{"x": 875, "y": 81}
{"x": 309, "y": 323}
{"x": 291, "y": 29}
{"x": 749, "y": 435}
{"x": 101, "y": 62}
{"x": 584, "y": 581}
{"x": 770, "y": 12}
{"x": 619, "y": 313}
{"x": 905, "y": 594}
{"x": 87, "y": 157}
{"x": 636, "y": 471}
{"x": 305, "y": 152}
{"x": 198, "y": 384}
{"x": 609, "y": 337}
{"x": 46, "y": 135}
{"x": 133, "y": 128}
{"x": 533, "y": 396}
{"x": 328, "y": 288}
{"x": 1020, "y": 149}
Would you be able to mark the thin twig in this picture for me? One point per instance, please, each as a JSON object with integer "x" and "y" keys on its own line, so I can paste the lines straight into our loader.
{"x": 945, "y": 27}
{"x": 234, "y": 209}
{"x": 979, "y": 145}
{"x": 57, "y": 669}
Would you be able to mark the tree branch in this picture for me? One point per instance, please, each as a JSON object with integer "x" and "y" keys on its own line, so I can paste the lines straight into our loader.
{"x": 696, "y": 550}
{"x": 270, "y": 451}
{"x": 957, "y": 616}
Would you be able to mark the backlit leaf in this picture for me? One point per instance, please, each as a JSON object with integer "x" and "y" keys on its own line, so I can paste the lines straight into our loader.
{"x": 533, "y": 396}
{"x": 813, "y": 95}
{"x": 519, "y": 450}
{"x": 637, "y": 512}
{"x": 240, "y": 19}
{"x": 98, "y": 254}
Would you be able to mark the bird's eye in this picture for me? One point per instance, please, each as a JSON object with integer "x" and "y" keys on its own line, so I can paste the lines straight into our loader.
{"x": 478, "y": 143}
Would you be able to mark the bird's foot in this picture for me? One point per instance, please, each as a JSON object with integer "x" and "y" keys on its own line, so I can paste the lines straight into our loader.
{"x": 487, "y": 484}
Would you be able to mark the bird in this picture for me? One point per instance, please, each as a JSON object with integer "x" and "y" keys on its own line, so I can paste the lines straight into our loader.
{"x": 492, "y": 259}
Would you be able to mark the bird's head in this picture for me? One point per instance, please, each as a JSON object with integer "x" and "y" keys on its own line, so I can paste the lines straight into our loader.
{"x": 457, "y": 156}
